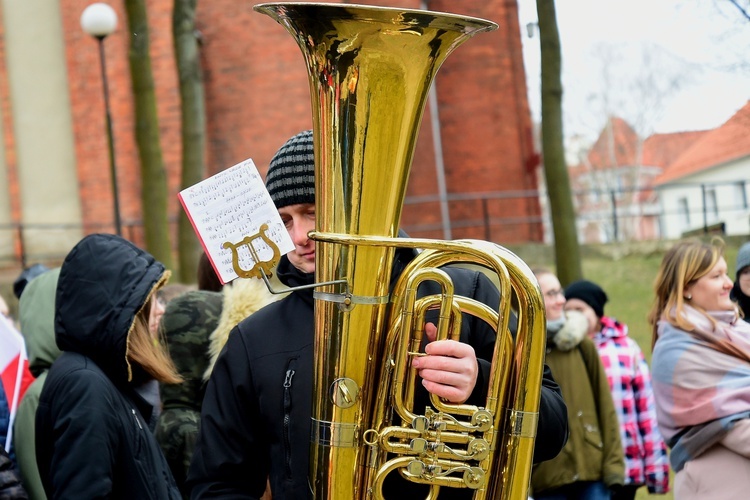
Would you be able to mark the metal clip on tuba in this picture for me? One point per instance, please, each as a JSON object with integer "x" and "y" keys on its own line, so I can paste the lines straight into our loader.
{"x": 370, "y": 69}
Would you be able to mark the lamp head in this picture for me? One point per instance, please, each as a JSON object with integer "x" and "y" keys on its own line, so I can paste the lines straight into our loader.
{"x": 99, "y": 20}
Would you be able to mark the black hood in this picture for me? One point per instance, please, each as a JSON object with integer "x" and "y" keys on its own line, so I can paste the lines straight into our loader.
{"x": 104, "y": 282}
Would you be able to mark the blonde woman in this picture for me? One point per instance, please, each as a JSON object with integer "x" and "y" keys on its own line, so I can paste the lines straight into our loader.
{"x": 701, "y": 373}
{"x": 92, "y": 436}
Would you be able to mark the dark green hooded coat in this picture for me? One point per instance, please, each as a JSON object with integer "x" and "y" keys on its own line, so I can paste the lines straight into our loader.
{"x": 36, "y": 312}
{"x": 593, "y": 451}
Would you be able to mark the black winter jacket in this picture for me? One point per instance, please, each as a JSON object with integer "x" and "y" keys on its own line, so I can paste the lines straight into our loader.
{"x": 257, "y": 408}
{"x": 92, "y": 440}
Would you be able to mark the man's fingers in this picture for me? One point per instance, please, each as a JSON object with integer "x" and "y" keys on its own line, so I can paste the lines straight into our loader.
{"x": 451, "y": 348}
{"x": 441, "y": 362}
{"x": 443, "y": 377}
{"x": 431, "y": 331}
{"x": 449, "y": 393}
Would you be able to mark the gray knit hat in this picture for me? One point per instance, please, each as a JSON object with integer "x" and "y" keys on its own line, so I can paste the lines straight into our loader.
{"x": 291, "y": 175}
{"x": 743, "y": 257}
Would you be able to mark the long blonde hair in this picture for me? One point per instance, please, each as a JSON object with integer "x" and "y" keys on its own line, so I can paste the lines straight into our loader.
{"x": 149, "y": 352}
{"x": 683, "y": 264}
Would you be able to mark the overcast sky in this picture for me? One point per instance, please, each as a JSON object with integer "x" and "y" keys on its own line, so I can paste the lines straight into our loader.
{"x": 707, "y": 42}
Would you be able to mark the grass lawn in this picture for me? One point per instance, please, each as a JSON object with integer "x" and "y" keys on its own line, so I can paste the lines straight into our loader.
{"x": 628, "y": 282}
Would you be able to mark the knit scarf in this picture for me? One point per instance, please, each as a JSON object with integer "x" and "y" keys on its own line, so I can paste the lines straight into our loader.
{"x": 700, "y": 389}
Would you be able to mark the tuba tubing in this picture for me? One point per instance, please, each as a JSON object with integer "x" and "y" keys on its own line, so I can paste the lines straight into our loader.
{"x": 370, "y": 70}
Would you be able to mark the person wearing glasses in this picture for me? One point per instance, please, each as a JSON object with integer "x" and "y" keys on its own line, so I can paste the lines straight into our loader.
{"x": 591, "y": 465}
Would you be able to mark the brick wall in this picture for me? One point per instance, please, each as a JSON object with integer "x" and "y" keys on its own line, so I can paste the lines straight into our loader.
{"x": 257, "y": 96}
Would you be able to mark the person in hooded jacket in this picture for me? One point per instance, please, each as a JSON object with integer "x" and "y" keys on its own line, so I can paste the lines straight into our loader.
{"x": 186, "y": 324}
{"x": 92, "y": 437}
{"x": 256, "y": 417}
{"x": 646, "y": 461}
{"x": 36, "y": 313}
{"x": 591, "y": 466}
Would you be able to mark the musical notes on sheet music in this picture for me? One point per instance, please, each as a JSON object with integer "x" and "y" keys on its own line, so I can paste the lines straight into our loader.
{"x": 229, "y": 206}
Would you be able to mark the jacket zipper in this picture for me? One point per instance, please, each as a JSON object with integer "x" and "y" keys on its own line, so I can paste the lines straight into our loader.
{"x": 136, "y": 419}
{"x": 288, "y": 415}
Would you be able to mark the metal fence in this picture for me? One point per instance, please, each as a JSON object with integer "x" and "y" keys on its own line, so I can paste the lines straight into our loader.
{"x": 602, "y": 216}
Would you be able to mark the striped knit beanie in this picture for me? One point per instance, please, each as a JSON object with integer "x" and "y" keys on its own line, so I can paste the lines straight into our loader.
{"x": 291, "y": 175}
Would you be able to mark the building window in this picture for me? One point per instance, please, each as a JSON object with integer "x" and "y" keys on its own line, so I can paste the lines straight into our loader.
{"x": 684, "y": 211}
{"x": 595, "y": 195}
{"x": 740, "y": 195}
{"x": 619, "y": 185}
{"x": 712, "y": 209}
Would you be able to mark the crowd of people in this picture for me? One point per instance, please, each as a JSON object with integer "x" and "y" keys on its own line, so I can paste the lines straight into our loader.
{"x": 147, "y": 390}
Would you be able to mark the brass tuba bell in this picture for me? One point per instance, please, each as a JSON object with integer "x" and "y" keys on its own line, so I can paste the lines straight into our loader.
{"x": 370, "y": 69}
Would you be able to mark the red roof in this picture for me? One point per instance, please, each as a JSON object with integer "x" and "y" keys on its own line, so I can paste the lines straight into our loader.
{"x": 620, "y": 150}
{"x": 729, "y": 142}
{"x": 660, "y": 150}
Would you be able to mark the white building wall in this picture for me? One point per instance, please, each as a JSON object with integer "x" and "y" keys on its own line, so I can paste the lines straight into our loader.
{"x": 724, "y": 180}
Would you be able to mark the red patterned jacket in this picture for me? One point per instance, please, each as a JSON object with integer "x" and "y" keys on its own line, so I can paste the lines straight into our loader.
{"x": 646, "y": 460}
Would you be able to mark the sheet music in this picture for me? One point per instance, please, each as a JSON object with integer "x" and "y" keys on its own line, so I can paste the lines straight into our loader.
{"x": 229, "y": 206}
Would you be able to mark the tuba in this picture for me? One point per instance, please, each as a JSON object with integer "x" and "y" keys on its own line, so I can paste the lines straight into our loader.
{"x": 370, "y": 69}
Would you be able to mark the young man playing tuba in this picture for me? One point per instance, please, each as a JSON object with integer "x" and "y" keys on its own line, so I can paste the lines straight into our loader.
{"x": 256, "y": 417}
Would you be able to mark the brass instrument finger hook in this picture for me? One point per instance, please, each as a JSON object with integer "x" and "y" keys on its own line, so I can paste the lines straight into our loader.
{"x": 262, "y": 268}
{"x": 371, "y": 437}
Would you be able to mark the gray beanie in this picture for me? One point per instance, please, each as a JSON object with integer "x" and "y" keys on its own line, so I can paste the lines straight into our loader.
{"x": 291, "y": 175}
{"x": 743, "y": 257}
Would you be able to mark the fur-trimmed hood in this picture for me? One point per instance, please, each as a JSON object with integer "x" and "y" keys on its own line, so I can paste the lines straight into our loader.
{"x": 104, "y": 283}
{"x": 241, "y": 299}
{"x": 572, "y": 333}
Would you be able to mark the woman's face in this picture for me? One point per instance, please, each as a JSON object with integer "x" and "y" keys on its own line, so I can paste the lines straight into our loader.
{"x": 154, "y": 317}
{"x": 744, "y": 279}
{"x": 554, "y": 299}
{"x": 711, "y": 291}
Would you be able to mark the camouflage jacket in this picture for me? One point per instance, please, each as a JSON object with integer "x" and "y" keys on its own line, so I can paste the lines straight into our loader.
{"x": 187, "y": 324}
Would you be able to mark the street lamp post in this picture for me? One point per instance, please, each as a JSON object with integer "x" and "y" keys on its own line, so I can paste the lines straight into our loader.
{"x": 100, "y": 20}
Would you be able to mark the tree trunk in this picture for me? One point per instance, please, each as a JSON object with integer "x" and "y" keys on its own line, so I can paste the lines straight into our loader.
{"x": 153, "y": 175}
{"x": 193, "y": 127}
{"x": 567, "y": 251}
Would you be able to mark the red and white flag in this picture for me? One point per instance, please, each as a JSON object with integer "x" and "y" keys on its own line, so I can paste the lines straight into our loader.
{"x": 14, "y": 369}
